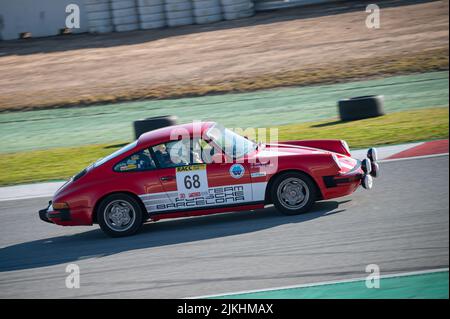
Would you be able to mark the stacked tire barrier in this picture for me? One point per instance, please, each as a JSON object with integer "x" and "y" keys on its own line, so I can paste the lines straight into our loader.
{"x": 237, "y": 9}
{"x": 153, "y": 123}
{"x": 128, "y": 15}
{"x": 361, "y": 107}
{"x": 99, "y": 16}
{"x": 151, "y": 14}
{"x": 178, "y": 12}
{"x": 207, "y": 11}
{"x": 124, "y": 15}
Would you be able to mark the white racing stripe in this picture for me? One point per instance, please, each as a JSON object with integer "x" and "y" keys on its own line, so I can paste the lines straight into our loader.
{"x": 323, "y": 283}
{"x": 215, "y": 196}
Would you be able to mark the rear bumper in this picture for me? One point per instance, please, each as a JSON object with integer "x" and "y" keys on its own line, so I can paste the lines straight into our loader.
{"x": 78, "y": 216}
{"x": 43, "y": 215}
{"x": 51, "y": 216}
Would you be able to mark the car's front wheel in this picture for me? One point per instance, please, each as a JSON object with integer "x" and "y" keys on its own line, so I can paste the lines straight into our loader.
{"x": 293, "y": 193}
{"x": 120, "y": 215}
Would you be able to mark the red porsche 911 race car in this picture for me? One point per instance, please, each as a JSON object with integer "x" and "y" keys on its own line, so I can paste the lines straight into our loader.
{"x": 203, "y": 168}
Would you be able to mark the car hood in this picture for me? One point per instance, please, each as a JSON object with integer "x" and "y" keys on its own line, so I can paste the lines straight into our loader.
{"x": 289, "y": 150}
{"x": 286, "y": 150}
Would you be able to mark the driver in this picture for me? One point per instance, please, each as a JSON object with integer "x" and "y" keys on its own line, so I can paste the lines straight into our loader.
{"x": 162, "y": 156}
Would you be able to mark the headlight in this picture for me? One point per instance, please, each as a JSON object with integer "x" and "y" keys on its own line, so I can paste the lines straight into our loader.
{"x": 366, "y": 166}
{"x": 372, "y": 154}
{"x": 345, "y": 145}
{"x": 336, "y": 160}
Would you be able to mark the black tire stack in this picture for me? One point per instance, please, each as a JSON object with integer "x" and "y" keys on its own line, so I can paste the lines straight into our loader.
{"x": 362, "y": 107}
{"x": 153, "y": 123}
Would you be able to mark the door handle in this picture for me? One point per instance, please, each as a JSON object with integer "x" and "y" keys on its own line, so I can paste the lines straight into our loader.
{"x": 167, "y": 178}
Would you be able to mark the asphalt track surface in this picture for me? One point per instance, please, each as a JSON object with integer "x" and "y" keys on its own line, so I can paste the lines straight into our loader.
{"x": 402, "y": 225}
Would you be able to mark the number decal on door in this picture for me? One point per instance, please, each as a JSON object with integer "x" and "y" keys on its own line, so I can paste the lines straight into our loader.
{"x": 192, "y": 180}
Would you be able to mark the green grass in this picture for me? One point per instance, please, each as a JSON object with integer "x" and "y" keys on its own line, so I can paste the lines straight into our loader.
{"x": 103, "y": 124}
{"x": 394, "y": 128}
{"x": 47, "y": 165}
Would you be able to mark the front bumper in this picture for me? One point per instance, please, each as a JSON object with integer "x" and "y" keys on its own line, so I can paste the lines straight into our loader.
{"x": 336, "y": 181}
{"x": 48, "y": 214}
{"x": 361, "y": 174}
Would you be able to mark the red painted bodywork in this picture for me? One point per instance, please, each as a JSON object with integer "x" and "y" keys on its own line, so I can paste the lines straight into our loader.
{"x": 329, "y": 145}
{"x": 311, "y": 157}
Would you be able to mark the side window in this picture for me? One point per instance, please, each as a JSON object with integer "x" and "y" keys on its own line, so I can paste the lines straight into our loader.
{"x": 181, "y": 153}
{"x": 172, "y": 154}
{"x": 140, "y": 161}
{"x": 198, "y": 155}
{"x": 206, "y": 150}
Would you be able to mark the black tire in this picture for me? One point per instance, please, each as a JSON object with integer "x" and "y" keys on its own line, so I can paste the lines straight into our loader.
{"x": 309, "y": 190}
{"x": 153, "y": 123}
{"x": 107, "y": 224}
{"x": 361, "y": 107}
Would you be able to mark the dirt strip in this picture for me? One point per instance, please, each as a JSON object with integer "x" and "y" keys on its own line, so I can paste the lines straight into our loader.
{"x": 288, "y": 47}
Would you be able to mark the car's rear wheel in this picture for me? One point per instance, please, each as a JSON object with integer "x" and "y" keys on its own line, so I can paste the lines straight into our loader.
{"x": 293, "y": 193}
{"x": 120, "y": 215}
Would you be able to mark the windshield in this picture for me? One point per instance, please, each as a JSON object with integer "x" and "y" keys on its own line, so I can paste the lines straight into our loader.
{"x": 115, "y": 154}
{"x": 234, "y": 145}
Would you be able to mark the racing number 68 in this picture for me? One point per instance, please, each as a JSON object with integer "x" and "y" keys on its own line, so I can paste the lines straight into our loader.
{"x": 192, "y": 182}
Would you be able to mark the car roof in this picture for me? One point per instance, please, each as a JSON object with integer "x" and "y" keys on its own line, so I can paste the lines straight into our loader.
{"x": 173, "y": 132}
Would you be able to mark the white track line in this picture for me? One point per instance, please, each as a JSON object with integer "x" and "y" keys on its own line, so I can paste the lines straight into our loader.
{"x": 25, "y": 197}
{"x": 323, "y": 283}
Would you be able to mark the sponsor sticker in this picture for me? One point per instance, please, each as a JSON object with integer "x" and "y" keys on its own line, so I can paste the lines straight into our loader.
{"x": 222, "y": 195}
{"x": 237, "y": 171}
{"x": 259, "y": 164}
{"x": 128, "y": 167}
{"x": 191, "y": 168}
{"x": 258, "y": 174}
